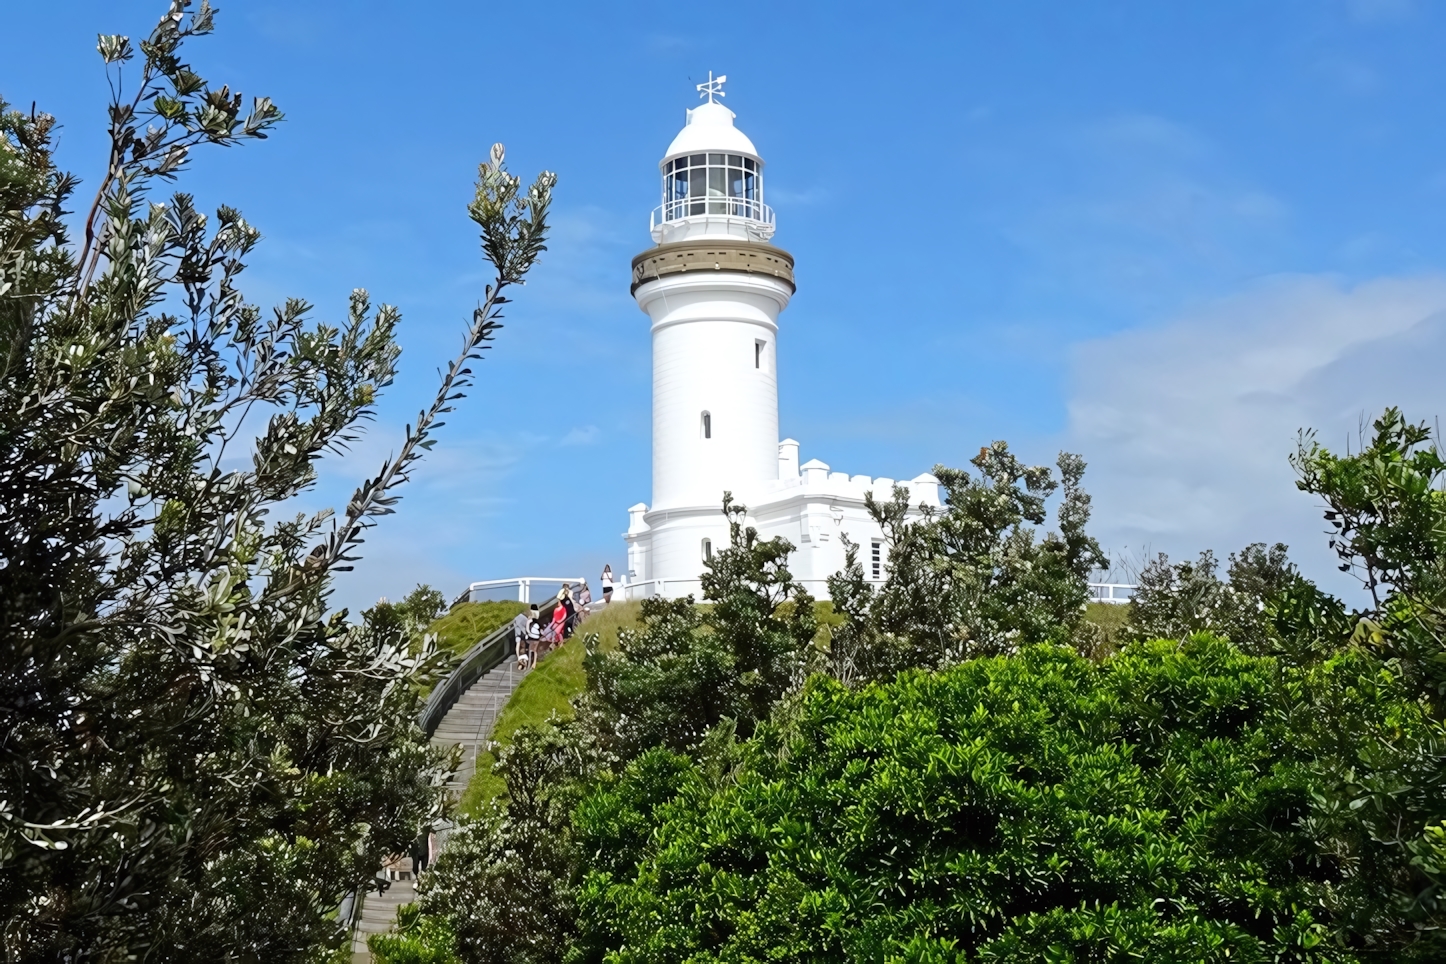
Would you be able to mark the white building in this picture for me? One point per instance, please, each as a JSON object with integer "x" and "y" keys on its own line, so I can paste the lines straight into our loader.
{"x": 714, "y": 287}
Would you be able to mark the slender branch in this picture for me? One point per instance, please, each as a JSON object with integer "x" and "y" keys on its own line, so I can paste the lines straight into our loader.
{"x": 361, "y": 506}
{"x": 113, "y": 170}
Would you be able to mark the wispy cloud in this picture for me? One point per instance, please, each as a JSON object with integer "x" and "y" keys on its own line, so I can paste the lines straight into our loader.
{"x": 814, "y": 194}
{"x": 586, "y": 435}
{"x": 1150, "y": 210}
{"x": 1188, "y": 426}
{"x": 1350, "y": 75}
{"x": 668, "y": 43}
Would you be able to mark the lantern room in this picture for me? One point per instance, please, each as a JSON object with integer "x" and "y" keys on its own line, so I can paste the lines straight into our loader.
{"x": 712, "y": 178}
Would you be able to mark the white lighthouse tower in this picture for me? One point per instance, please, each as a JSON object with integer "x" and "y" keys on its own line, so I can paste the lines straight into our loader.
{"x": 713, "y": 288}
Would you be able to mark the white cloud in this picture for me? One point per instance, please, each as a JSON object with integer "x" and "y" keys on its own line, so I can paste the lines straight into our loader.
{"x": 797, "y": 197}
{"x": 586, "y": 435}
{"x": 1188, "y": 426}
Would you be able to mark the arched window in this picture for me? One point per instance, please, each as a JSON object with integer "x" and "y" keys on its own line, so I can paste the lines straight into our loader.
{"x": 707, "y": 425}
{"x": 707, "y": 550}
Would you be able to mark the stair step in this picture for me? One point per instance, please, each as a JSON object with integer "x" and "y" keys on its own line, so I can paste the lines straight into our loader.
{"x": 468, "y": 724}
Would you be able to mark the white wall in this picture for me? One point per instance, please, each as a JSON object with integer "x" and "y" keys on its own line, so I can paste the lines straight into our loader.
{"x": 814, "y": 511}
{"x": 704, "y": 332}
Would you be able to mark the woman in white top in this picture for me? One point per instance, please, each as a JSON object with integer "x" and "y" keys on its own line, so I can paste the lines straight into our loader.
{"x": 607, "y": 584}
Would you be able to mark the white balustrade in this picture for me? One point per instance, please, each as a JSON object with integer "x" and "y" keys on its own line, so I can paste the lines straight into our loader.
{"x": 523, "y": 584}
{"x": 698, "y": 207}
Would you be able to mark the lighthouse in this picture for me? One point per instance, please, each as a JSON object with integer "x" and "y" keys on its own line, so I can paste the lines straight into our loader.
{"x": 713, "y": 286}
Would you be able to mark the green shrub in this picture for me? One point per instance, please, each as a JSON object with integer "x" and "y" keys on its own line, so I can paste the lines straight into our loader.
{"x": 423, "y": 940}
{"x": 1035, "y": 808}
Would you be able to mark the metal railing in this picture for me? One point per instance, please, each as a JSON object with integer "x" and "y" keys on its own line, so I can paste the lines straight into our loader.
{"x": 732, "y": 207}
{"x": 486, "y": 655}
{"x": 523, "y": 584}
{"x": 491, "y": 650}
{"x": 642, "y": 589}
{"x": 1112, "y": 592}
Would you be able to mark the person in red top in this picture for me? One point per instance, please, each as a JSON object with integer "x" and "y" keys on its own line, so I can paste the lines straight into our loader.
{"x": 559, "y": 621}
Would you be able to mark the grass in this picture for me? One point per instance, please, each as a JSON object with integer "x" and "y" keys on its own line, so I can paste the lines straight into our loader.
{"x": 546, "y": 690}
{"x": 466, "y": 624}
{"x": 559, "y": 678}
{"x": 1109, "y": 617}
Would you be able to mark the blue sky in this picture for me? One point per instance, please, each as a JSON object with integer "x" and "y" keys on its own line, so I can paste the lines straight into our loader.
{"x": 1164, "y": 235}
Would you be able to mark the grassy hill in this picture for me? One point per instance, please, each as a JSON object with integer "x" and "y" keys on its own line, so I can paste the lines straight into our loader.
{"x": 1109, "y": 617}
{"x": 547, "y": 689}
{"x": 467, "y": 623}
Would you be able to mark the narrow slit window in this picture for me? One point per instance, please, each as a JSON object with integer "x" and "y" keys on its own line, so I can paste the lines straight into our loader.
{"x": 758, "y": 354}
{"x": 707, "y": 550}
{"x": 707, "y": 425}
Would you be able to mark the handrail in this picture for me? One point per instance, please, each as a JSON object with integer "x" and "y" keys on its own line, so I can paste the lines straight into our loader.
{"x": 485, "y": 655}
{"x": 1105, "y": 592}
{"x": 523, "y": 584}
{"x": 1118, "y": 593}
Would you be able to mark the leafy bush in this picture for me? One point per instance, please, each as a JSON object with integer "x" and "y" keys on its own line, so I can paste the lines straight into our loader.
{"x": 419, "y": 940}
{"x": 1176, "y": 600}
{"x": 199, "y": 760}
{"x": 690, "y": 667}
{"x": 973, "y": 579}
{"x": 503, "y": 887}
{"x": 1377, "y": 724}
{"x": 1040, "y": 807}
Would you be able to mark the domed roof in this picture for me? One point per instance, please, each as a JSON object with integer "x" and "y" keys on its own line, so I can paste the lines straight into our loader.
{"x": 710, "y": 128}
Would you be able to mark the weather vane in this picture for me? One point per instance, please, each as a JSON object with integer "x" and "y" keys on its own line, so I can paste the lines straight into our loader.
{"x": 712, "y": 87}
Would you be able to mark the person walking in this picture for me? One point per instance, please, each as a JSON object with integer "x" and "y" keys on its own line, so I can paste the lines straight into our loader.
{"x": 420, "y": 852}
{"x": 559, "y": 623}
{"x": 607, "y": 585}
{"x": 520, "y": 625}
{"x": 584, "y": 600}
{"x": 534, "y": 639}
{"x": 569, "y": 604}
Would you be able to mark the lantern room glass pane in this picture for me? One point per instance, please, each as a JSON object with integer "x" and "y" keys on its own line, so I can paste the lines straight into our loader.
{"x": 735, "y": 182}
{"x": 728, "y": 184}
{"x": 717, "y": 190}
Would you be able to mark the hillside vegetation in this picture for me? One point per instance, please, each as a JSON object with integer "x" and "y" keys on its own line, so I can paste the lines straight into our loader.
{"x": 547, "y": 690}
{"x": 551, "y": 688}
{"x": 468, "y": 623}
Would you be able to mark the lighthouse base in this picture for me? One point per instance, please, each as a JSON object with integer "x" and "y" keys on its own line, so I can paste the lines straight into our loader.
{"x": 817, "y": 510}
